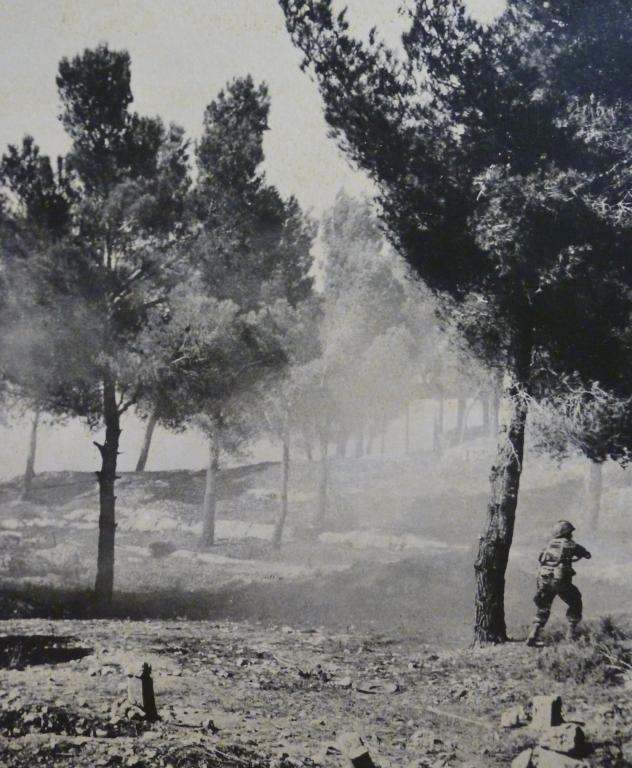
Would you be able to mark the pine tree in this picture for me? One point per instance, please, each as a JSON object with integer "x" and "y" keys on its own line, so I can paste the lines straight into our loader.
{"x": 493, "y": 185}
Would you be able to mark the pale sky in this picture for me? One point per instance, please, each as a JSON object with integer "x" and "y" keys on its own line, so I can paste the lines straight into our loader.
{"x": 182, "y": 54}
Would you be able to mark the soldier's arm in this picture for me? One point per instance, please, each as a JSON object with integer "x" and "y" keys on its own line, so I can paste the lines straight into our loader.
{"x": 581, "y": 552}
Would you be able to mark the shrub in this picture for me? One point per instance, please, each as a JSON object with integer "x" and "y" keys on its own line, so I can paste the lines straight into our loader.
{"x": 162, "y": 548}
{"x": 601, "y": 654}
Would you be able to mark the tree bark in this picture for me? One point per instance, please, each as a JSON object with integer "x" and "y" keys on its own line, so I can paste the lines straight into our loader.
{"x": 495, "y": 543}
{"x": 210, "y": 494}
{"x": 29, "y": 472}
{"x": 495, "y": 420}
{"x": 144, "y": 451}
{"x": 594, "y": 486}
{"x": 323, "y": 482}
{"x": 104, "y": 584}
{"x": 285, "y": 476}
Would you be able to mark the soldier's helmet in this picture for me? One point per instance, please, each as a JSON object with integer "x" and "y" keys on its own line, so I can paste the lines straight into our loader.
{"x": 562, "y": 528}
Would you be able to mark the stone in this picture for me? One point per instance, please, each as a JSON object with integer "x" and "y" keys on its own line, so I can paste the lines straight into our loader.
{"x": 547, "y": 711}
{"x": 523, "y": 760}
{"x": 547, "y": 759}
{"x": 355, "y": 750}
{"x": 567, "y": 738}
{"x": 512, "y": 718}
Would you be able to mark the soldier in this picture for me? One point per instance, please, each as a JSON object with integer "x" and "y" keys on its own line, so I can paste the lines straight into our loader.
{"x": 555, "y": 578}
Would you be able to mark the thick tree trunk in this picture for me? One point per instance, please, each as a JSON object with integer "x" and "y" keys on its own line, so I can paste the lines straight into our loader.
{"x": 29, "y": 472}
{"x": 144, "y": 451}
{"x": 494, "y": 545}
{"x": 285, "y": 476}
{"x": 323, "y": 482}
{"x": 104, "y": 585}
{"x": 210, "y": 494}
{"x": 594, "y": 487}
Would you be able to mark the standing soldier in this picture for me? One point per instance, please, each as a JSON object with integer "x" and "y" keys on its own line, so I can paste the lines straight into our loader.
{"x": 555, "y": 578}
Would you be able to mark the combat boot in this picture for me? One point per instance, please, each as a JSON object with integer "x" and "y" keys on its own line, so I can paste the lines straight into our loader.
{"x": 534, "y": 636}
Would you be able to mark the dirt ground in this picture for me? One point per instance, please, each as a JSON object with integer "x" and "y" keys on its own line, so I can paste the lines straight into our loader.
{"x": 239, "y": 693}
{"x": 263, "y": 657}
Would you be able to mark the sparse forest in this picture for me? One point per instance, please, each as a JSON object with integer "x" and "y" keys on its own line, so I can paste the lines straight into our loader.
{"x": 327, "y": 445}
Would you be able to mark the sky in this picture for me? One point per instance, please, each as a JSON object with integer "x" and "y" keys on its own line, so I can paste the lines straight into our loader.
{"x": 182, "y": 54}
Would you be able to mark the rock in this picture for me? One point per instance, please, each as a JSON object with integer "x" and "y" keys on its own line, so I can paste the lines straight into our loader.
{"x": 523, "y": 760}
{"x": 547, "y": 711}
{"x": 512, "y": 718}
{"x": 355, "y": 750}
{"x": 546, "y": 759}
{"x": 567, "y": 738}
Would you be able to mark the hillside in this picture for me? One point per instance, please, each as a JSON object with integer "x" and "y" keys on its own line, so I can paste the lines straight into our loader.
{"x": 261, "y": 659}
{"x": 397, "y": 552}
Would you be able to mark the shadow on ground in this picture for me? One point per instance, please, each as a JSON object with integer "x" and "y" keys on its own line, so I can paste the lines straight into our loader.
{"x": 20, "y": 651}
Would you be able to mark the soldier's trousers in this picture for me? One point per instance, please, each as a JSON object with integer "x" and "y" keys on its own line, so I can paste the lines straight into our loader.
{"x": 548, "y": 590}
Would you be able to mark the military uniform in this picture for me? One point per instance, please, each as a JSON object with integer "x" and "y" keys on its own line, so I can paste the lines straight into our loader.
{"x": 555, "y": 579}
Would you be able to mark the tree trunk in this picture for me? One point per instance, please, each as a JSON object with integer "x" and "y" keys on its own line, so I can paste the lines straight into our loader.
{"x": 407, "y": 429}
{"x": 594, "y": 486}
{"x": 485, "y": 413}
{"x": 359, "y": 443}
{"x": 323, "y": 482}
{"x": 495, "y": 543}
{"x": 104, "y": 585}
{"x": 341, "y": 445}
{"x": 495, "y": 420}
{"x": 437, "y": 425}
{"x": 461, "y": 410}
{"x": 29, "y": 472}
{"x": 285, "y": 476}
{"x": 383, "y": 426}
{"x": 369, "y": 442}
{"x": 144, "y": 451}
{"x": 210, "y": 494}
{"x": 308, "y": 447}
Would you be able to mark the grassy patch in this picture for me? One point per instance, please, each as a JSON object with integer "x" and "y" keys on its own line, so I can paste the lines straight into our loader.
{"x": 601, "y": 654}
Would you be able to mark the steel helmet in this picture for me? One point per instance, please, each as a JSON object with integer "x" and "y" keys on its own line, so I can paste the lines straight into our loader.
{"x": 562, "y": 528}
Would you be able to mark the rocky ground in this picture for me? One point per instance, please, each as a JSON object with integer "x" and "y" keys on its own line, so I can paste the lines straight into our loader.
{"x": 265, "y": 658}
{"x": 243, "y": 694}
